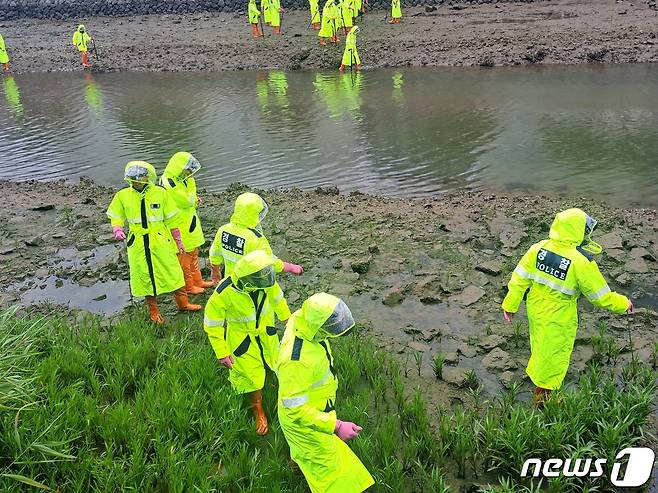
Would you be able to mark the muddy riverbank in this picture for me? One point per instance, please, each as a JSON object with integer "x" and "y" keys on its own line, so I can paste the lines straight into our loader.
{"x": 424, "y": 276}
{"x": 502, "y": 34}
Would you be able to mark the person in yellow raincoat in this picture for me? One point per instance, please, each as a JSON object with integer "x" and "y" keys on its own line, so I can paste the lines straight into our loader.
{"x": 153, "y": 238}
{"x": 359, "y": 7}
{"x": 254, "y": 19}
{"x": 346, "y": 15}
{"x": 265, "y": 9}
{"x": 351, "y": 55}
{"x": 244, "y": 234}
{"x": 4, "y": 55}
{"x": 81, "y": 41}
{"x": 329, "y": 27}
{"x": 396, "y": 12}
{"x": 239, "y": 320}
{"x": 315, "y": 14}
{"x": 275, "y": 15}
{"x": 178, "y": 179}
{"x": 307, "y": 398}
{"x": 555, "y": 272}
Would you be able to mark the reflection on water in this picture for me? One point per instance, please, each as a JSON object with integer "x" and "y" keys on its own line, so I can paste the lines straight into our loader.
{"x": 588, "y": 130}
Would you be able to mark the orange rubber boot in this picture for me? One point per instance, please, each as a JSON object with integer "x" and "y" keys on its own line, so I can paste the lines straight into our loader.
{"x": 256, "y": 399}
{"x": 323, "y": 42}
{"x": 277, "y": 30}
{"x": 540, "y": 397}
{"x": 254, "y": 32}
{"x": 185, "y": 261}
{"x": 358, "y": 68}
{"x": 183, "y": 302}
{"x": 154, "y": 312}
{"x": 196, "y": 271}
{"x": 341, "y": 69}
{"x": 85, "y": 62}
{"x": 5, "y": 67}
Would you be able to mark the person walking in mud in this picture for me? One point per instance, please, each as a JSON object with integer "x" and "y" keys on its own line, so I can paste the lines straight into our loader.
{"x": 254, "y": 19}
{"x": 153, "y": 238}
{"x": 396, "y": 12}
{"x": 315, "y": 14}
{"x": 240, "y": 322}
{"x": 265, "y": 9}
{"x": 275, "y": 11}
{"x": 307, "y": 398}
{"x": 244, "y": 234}
{"x": 346, "y": 10}
{"x": 4, "y": 55}
{"x": 329, "y": 19}
{"x": 554, "y": 273}
{"x": 178, "y": 179}
{"x": 351, "y": 55}
{"x": 81, "y": 40}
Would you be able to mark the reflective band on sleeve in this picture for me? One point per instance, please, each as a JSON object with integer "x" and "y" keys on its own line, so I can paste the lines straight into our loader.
{"x": 113, "y": 215}
{"x": 603, "y": 291}
{"x": 250, "y": 318}
{"x": 212, "y": 323}
{"x": 546, "y": 282}
{"x": 324, "y": 380}
{"x": 230, "y": 256}
{"x": 150, "y": 219}
{"x": 278, "y": 298}
{"x": 294, "y": 401}
{"x": 170, "y": 215}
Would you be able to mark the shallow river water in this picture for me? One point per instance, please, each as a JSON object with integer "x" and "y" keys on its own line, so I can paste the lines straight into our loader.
{"x": 579, "y": 130}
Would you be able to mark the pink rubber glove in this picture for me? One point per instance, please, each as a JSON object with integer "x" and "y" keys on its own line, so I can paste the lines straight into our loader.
{"x": 227, "y": 361}
{"x": 630, "y": 308}
{"x": 175, "y": 233}
{"x": 347, "y": 430}
{"x": 292, "y": 268}
{"x": 118, "y": 233}
{"x": 508, "y": 316}
{"x": 215, "y": 274}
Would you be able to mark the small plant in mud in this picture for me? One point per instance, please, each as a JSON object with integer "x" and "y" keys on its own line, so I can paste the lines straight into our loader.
{"x": 654, "y": 356}
{"x": 418, "y": 358}
{"x": 518, "y": 333}
{"x": 437, "y": 364}
{"x": 67, "y": 215}
{"x": 471, "y": 379}
{"x": 476, "y": 395}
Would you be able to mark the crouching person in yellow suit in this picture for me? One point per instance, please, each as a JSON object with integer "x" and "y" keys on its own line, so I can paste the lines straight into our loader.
{"x": 239, "y": 320}
{"x": 351, "y": 55}
{"x": 307, "y": 393}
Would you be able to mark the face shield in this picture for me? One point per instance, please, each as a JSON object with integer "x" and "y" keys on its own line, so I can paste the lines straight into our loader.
{"x": 137, "y": 174}
{"x": 264, "y": 212}
{"x": 190, "y": 168}
{"x": 338, "y": 324}
{"x": 588, "y": 245}
{"x": 261, "y": 279}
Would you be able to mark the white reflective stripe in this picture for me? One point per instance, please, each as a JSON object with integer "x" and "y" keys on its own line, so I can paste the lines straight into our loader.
{"x": 324, "y": 380}
{"x": 212, "y": 323}
{"x": 113, "y": 215}
{"x": 603, "y": 291}
{"x": 170, "y": 215}
{"x": 278, "y": 298}
{"x": 546, "y": 282}
{"x": 150, "y": 219}
{"x": 294, "y": 401}
{"x": 231, "y": 257}
{"x": 250, "y": 318}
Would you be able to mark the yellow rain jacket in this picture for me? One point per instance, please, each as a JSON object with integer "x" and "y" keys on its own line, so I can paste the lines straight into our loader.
{"x": 254, "y": 13}
{"x": 267, "y": 13}
{"x": 4, "y": 56}
{"x": 346, "y": 13}
{"x": 329, "y": 13}
{"x": 182, "y": 193}
{"x": 152, "y": 252}
{"x": 396, "y": 9}
{"x": 307, "y": 393}
{"x": 556, "y": 271}
{"x": 351, "y": 55}
{"x": 275, "y": 15}
{"x": 81, "y": 40}
{"x": 241, "y": 323}
{"x": 315, "y": 11}
{"x": 242, "y": 235}
{"x": 358, "y": 5}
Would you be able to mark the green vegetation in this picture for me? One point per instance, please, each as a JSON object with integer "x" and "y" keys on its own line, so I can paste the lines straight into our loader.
{"x": 86, "y": 407}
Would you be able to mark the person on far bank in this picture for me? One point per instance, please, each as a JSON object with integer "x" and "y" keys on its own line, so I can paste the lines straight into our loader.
{"x": 396, "y": 12}
{"x": 351, "y": 55}
{"x": 178, "y": 180}
{"x": 81, "y": 41}
{"x": 554, "y": 273}
{"x": 244, "y": 234}
{"x": 254, "y": 19}
{"x": 275, "y": 10}
{"x": 153, "y": 240}
{"x": 315, "y": 14}
{"x": 329, "y": 28}
{"x": 4, "y": 55}
{"x": 266, "y": 11}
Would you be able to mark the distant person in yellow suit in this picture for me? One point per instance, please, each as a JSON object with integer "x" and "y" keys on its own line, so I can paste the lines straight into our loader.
{"x": 315, "y": 14}
{"x": 254, "y": 19}
{"x": 329, "y": 23}
{"x": 4, "y": 56}
{"x": 307, "y": 398}
{"x": 351, "y": 55}
{"x": 275, "y": 15}
{"x": 346, "y": 15}
{"x": 81, "y": 41}
{"x": 396, "y": 12}
{"x": 554, "y": 273}
{"x": 239, "y": 320}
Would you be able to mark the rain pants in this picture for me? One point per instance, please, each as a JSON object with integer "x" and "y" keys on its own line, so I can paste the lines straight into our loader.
{"x": 556, "y": 272}
{"x": 315, "y": 11}
{"x": 183, "y": 195}
{"x": 81, "y": 40}
{"x": 267, "y": 12}
{"x": 347, "y": 13}
{"x": 152, "y": 252}
{"x": 241, "y": 323}
{"x": 242, "y": 235}
{"x": 275, "y": 14}
{"x": 4, "y": 56}
{"x": 307, "y": 393}
{"x": 350, "y": 55}
{"x": 329, "y": 14}
{"x": 396, "y": 9}
{"x": 254, "y": 13}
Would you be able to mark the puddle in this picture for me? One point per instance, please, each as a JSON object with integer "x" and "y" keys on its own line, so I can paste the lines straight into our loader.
{"x": 105, "y": 298}
{"x": 72, "y": 258}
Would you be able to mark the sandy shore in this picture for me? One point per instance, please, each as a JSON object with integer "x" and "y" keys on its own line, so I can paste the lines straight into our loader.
{"x": 555, "y": 32}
